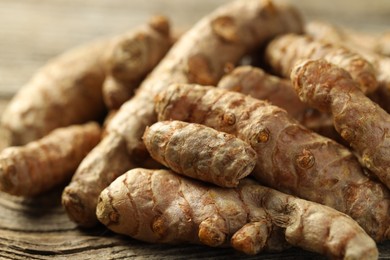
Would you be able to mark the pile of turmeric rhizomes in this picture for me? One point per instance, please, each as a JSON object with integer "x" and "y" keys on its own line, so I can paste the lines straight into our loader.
{"x": 290, "y": 149}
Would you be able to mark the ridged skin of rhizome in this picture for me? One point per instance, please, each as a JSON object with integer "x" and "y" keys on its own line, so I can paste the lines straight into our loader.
{"x": 359, "y": 120}
{"x": 200, "y": 55}
{"x": 200, "y": 152}
{"x": 291, "y": 158}
{"x": 159, "y": 206}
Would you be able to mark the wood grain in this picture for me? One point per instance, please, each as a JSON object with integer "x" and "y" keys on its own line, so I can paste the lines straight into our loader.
{"x": 32, "y": 32}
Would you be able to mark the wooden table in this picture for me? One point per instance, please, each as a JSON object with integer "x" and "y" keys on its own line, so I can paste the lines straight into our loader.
{"x": 31, "y": 32}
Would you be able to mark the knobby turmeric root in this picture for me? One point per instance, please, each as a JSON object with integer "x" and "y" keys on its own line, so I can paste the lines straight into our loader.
{"x": 329, "y": 33}
{"x": 116, "y": 92}
{"x": 43, "y": 164}
{"x": 76, "y": 93}
{"x": 290, "y": 158}
{"x": 131, "y": 56}
{"x": 361, "y": 122}
{"x": 108, "y": 160}
{"x": 255, "y": 82}
{"x": 200, "y": 152}
{"x": 68, "y": 90}
{"x": 283, "y": 52}
{"x": 159, "y": 206}
{"x": 192, "y": 59}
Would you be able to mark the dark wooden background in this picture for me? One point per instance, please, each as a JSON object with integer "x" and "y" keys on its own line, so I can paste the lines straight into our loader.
{"x": 33, "y": 31}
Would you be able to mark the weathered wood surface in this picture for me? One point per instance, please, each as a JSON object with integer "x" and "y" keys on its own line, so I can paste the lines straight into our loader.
{"x": 31, "y": 32}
